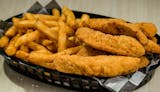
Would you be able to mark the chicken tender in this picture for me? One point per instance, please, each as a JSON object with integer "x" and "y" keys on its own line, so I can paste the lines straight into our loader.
{"x": 149, "y": 29}
{"x": 117, "y": 27}
{"x": 121, "y": 45}
{"x": 101, "y": 66}
{"x": 152, "y": 47}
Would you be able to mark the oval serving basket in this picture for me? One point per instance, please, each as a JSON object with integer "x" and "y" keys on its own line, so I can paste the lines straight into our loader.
{"x": 75, "y": 81}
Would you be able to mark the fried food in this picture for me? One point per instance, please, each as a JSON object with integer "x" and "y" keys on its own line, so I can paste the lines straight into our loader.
{"x": 11, "y": 49}
{"x": 144, "y": 62}
{"x": 4, "y": 41}
{"x": 152, "y": 47}
{"x": 11, "y": 31}
{"x": 102, "y": 47}
{"x": 24, "y": 48}
{"x": 117, "y": 27}
{"x": 55, "y": 12}
{"x": 26, "y": 38}
{"x": 22, "y": 55}
{"x": 70, "y": 17}
{"x": 88, "y": 51}
{"x": 149, "y": 29}
{"x": 101, "y": 66}
{"x": 26, "y": 24}
{"x": 45, "y": 30}
{"x": 120, "y": 45}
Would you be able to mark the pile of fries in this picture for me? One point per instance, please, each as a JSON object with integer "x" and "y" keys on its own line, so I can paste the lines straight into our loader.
{"x": 43, "y": 34}
{"x": 39, "y": 38}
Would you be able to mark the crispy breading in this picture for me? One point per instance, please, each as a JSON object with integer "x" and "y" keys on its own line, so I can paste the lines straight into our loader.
{"x": 116, "y": 27}
{"x": 149, "y": 29}
{"x": 102, "y": 66}
{"x": 121, "y": 45}
{"x": 152, "y": 47}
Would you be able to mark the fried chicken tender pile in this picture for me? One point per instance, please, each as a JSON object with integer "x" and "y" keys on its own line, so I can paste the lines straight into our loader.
{"x": 102, "y": 47}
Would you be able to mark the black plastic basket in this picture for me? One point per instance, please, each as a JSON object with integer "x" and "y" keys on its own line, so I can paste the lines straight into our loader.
{"x": 57, "y": 78}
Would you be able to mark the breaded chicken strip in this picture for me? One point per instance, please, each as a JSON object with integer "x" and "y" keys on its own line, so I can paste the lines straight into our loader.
{"x": 101, "y": 66}
{"x": 149, "y": 29}
{"x": 117, "y": 27}
{"x": 152, "y": 47}
{"x": 121, "y": 45}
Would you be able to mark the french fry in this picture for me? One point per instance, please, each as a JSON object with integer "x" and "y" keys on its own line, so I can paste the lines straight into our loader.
{"x": 55, "y": 12}
{"x": 45, "y": 30}
{"x": 37, "y": 47}
{"x": 70, "y": 17}
{"x": 11, "y": 31}
{"x": 46, "y": 17}
{"x": 22, "y": 55}
{"x": 51, "y": 23}
{"x": 26, "y": 24}
{"x": 4, "y": 41}
{"x": 29, "y": 16}
{"x": 46, "y": 42}
{"x": 62, "y": 18}
{"x": 26, "y": 38}
{"x": 71, "y": 42}
{"x": 29, "y": 31}
{"x": 84, "y": 18}
{"x": 24, "y": 48}
{"x": 70, "y": 51}
{"x": 15, "y": 21}
{"x": 42, "y": 51}
{"x": 52, "y": 48}
{"x": 83, "y": 52}
{"x": 21, "y": 31}
{"x": 62, "y": 37}
{"x": 11, "y": 49}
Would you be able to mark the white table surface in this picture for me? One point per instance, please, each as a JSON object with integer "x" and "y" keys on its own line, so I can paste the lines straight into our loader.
{"x": 131, "y": 10}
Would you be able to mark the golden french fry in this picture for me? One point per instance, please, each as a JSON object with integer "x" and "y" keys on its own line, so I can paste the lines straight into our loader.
{"x": 51, "y": 23}
{"x": 62, "y": 18}
{"x": 37, "y": 47}
{"x": 29, "y": 16}
{"x": 21, "y": 31}
{"x": 71, "y": 42}
{"x": 84, "y": 18}
{"x": 83, "y": 52}
{"x": 15, "y": 21}
{"x": 11, "y": 49}
{"x": 55, "y": 12}
{"x": 52, "y": 48}
{"x": 70, "y": 17}
{"x": 70, "y": 51}
{"x": 24, "y": 48}
{"x": 29, "y": 30}
{"x": 26, "y": 38}
{"x": 45, "y": 30}
{"x": 22, "y": 55}
{"x": 4, "y": 41}
{"x": 42, "y": 51}
{"x": 62, "y": 37}
{"x": 46, "y": 17}
{"x": 26, "y": 24}
{"x": 69, "y": 31}
{"x": 46, "y": 42}
{"x": 11, "y": 31}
